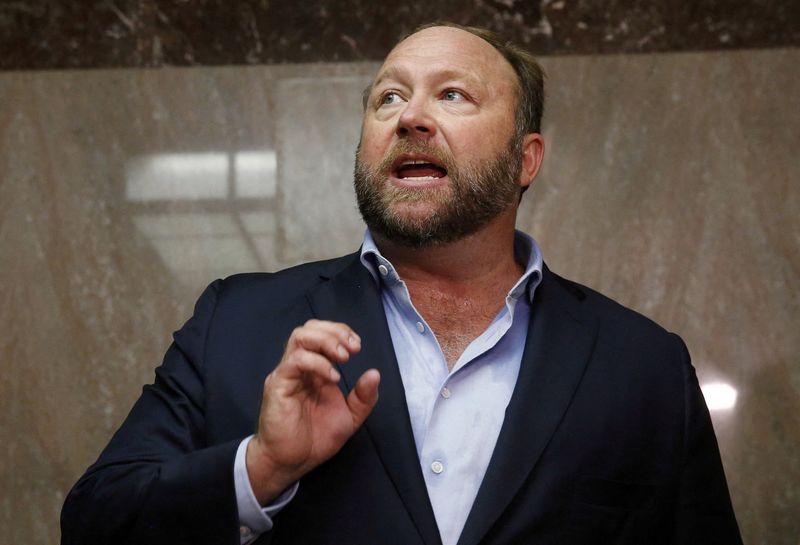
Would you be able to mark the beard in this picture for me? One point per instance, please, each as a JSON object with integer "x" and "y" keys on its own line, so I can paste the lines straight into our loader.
{"x": 475, "y": 195}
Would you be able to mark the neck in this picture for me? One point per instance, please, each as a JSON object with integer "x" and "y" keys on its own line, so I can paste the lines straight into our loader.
{"x": 459, "y": 287}
{"x": 484, "y": 256}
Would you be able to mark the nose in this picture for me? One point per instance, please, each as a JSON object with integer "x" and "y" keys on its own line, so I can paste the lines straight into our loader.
{"x": 415, "y": 121}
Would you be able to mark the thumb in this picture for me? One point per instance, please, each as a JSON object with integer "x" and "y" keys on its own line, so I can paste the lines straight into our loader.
{"x": 363, "y": 397}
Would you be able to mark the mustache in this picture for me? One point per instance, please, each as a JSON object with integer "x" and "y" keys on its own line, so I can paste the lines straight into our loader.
{"x": 403, "y": 147}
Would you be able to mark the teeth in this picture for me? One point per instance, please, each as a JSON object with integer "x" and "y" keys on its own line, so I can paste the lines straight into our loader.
{"x": 415, "y": 162}
{"x": 420, "y": 178}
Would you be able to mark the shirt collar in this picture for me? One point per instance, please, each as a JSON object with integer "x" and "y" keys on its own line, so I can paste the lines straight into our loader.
{"x": 525, "y": 250}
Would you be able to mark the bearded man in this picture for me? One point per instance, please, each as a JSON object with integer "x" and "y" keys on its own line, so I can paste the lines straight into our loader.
{"x": 515, "y": 406}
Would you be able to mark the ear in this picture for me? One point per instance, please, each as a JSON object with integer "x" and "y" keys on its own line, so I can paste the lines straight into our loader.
{"x": 532, "y": 156}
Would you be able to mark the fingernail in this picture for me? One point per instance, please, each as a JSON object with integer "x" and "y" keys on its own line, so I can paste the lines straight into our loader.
{"x": 342, "y": 351}
{"x": 354, "y": 340}
{"x": 334, "y": 374}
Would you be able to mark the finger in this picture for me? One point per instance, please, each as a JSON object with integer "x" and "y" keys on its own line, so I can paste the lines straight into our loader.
{"x": 307, "y": 362}
{"x": 363, "y": 397}
{"x": 345, "y": 333}
{"x": 334, "y": 345}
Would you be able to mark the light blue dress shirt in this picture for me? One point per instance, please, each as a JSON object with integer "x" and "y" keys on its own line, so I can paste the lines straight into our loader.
{"x": 456, "y": 415}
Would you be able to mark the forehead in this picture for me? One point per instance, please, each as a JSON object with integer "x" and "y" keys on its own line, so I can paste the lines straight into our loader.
{"x": 449, "y": 51}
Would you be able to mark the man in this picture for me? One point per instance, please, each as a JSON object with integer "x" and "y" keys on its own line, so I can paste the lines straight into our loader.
{"x": 515, "y": 406}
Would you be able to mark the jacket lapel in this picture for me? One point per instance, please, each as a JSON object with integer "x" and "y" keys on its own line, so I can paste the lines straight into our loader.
{"x": 352, "y": 297}
{"x": 559, "y": 343}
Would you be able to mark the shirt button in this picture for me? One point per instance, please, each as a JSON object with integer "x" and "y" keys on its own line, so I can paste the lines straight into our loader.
{"x": 383, "y": 270}
{"x": 437, "y": 467}
{"x": 445, "y": 392}
{"x": 420, "y": 327}
{"x": 244, "y": 531}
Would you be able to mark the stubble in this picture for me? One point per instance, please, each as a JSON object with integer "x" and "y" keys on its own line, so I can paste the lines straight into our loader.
{"x": 475, "y": 195}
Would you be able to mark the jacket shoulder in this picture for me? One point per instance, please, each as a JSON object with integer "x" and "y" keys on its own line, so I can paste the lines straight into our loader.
{"x": 612, "y": 315}
{"x": 286, "y": 282}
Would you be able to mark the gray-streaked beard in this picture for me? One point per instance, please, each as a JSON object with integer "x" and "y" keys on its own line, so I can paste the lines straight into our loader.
{"x": 476, "y": 195}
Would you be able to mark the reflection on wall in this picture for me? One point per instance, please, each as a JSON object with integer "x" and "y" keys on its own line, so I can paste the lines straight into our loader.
{"x": 230, "y": 224}
{"x": 720, "y": 396}
{"x": 201, "y": 176}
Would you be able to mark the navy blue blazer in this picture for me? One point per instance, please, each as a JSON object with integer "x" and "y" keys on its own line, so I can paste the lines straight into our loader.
{"x": 606, "y": 438}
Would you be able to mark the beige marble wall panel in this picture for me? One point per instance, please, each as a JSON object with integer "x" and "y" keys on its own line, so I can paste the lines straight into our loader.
{"x": 87, "y": 301}
{"x": 671, "y": 183}
{"x": 88, "y": 296}
{"x": 318, "y": 126}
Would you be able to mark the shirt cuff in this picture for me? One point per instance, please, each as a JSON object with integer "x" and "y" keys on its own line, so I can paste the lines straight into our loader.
{"x": 254, "y": 520}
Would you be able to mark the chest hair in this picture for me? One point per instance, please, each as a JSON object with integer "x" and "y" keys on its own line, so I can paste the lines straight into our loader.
{"x": 455, "y": 319}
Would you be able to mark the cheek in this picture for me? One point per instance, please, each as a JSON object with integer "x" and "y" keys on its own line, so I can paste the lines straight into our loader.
{"x": 373, "y": 146}
{"x": 482, "y": 141}
{"x": 475, "y": 148}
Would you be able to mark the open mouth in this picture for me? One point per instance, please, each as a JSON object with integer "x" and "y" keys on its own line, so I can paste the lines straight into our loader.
{"x": 417, "y": 169}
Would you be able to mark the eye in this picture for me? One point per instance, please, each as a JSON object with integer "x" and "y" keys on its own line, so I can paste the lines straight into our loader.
{"x": 390, "y": 97}
{"x": 452, "y": 95}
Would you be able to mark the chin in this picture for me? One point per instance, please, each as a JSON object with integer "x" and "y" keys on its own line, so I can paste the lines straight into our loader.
{"x": 414, "y": 211}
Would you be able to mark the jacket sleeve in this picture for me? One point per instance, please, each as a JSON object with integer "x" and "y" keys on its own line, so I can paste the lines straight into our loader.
{"x": 703, "y": 511}
{"x": 158, "y": 481}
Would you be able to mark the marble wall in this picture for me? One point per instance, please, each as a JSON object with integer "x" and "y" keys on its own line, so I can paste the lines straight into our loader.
{"x": 670, "y": 183}
{"x": 138, "y": 33}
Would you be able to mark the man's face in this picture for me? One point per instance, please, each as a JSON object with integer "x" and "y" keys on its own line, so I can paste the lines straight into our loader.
{"x": 438, "y": 157}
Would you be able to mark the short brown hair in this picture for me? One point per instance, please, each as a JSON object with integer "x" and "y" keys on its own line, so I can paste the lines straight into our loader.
{"x": 530, "y": 75}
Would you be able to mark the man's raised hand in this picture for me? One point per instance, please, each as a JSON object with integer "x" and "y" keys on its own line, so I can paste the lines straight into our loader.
{"x": 304, "y": 418}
